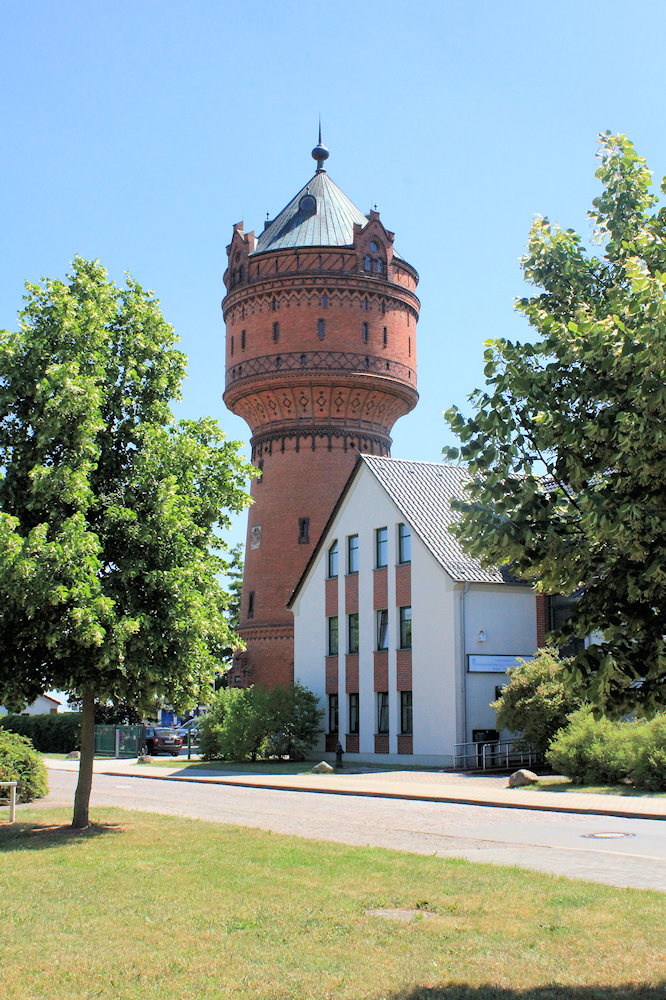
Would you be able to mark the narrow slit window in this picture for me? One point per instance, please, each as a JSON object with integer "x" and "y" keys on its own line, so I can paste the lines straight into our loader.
{"x": 276, "y": 332}
{"x": 243, "y": 338}
{"x": 303, "y": 530}
{"x": 365, "y": 331}
{"x": 321, "y": 328}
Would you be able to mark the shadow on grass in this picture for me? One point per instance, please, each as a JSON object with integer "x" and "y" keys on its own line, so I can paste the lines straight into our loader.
{"x": 555, "y": 991}
{"x": 39, "y": 836}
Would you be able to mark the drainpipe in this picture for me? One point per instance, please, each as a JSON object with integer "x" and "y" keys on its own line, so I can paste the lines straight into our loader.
{"x": 462, "y": 686}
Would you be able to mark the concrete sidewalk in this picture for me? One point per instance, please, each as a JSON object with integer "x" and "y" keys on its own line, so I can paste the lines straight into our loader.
{"x": 422, "y": 786}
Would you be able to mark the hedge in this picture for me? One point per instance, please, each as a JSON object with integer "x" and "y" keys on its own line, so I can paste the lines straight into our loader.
{"x": 20, "y": 762}
{"x": 59, "y": 733}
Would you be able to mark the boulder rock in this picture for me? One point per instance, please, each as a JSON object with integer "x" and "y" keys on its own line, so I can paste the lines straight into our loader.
{"x": 322, "y": 768}
{"x": 522, "y": 777}
{"x": 74, "y": 755}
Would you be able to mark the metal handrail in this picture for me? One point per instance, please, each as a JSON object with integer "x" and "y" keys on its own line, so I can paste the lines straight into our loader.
{"x": 495, "y": 755}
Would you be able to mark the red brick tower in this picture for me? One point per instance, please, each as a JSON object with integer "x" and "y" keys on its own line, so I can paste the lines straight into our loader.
{"x": 321, "y": 317}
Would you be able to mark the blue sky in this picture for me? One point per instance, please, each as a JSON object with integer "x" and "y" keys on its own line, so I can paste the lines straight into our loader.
{"x": 139, "y": 132}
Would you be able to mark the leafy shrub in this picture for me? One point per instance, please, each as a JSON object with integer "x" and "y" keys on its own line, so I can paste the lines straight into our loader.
{"x": 599, "y": 751}
{"x": 649, "y": 764}
{"x": 19, "y": 761}
{"x": 535, "y": 703}
{"x": 59, "y": 733}
{"x": 246, "y": 723}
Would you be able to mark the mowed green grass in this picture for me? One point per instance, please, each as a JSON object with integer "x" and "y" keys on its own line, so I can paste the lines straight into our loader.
{"x": 162, "y": 908}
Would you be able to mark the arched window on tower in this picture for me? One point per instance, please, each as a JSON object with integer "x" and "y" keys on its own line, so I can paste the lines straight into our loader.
{"x": 324, "y": 301}
{"x": 320, "y": 329}
{"x": 364, "y": 332}
{"x": 276, "y": 332}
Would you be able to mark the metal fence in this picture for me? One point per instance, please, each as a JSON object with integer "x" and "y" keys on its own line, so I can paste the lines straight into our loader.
{"x": 119, "y": 741}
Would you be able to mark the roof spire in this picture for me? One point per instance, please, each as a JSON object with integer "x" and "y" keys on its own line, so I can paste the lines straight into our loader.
{"x": 320, "y": 153}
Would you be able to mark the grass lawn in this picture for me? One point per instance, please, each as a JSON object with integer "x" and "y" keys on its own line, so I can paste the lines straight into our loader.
{"x": 565, "y": 785}
{"x": 161, "y": 908}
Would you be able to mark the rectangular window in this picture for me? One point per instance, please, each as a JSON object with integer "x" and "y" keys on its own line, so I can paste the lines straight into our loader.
{"x": 381, "y": 547}
{"x": 352, "y": 553}
{"x": 406, "y": 712}
{"x": 352, "y": 633}
{"x": 320, "y": 329}
{"x": 276, "y": 332}
{"x": 333, "y": 559}
{"x": 250, "y": 604}
{"x": 232, "y": 345}
{"x": 385, "y": 336}
{"x": 332, "y": 644}
{"x": 243, "y": 340}
{"x": 382, "y": 712}
{"x": 303, "y": 530}
{"x": 404, "y": 544}
{"x": 405, "y": 628}
{"x": 382, "y": 630}
{"x": 365, "y": 332}
{"x": 332, "y": 713}
{"x": 353, "y": 713}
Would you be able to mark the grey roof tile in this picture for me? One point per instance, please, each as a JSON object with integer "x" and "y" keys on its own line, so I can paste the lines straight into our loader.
{"x": 423, "y": 492}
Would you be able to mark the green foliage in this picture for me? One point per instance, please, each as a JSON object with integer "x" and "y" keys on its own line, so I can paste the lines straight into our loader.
{"x": 20, "y": 762}
{"x": 246, "y": 723}
{"x": 594, "y": 751}
{"x": 535, "y": 702}
{"x": 566, "y": 449}
{"x": 48, "y": 733}
{"x": 109, "y": 510}
{"x": 295, "y": 722}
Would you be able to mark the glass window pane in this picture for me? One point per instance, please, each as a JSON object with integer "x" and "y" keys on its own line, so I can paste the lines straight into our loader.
{"x": 333, "y": 559}
{"x": 381, "y": 546}
{"x": 405, "y": 628}
{"x": 406, "y": 712}
{"x": 352, "y": 554}
{"x": 404, "y": 544}
{"x": 382, "y": 630}
{"x": 382, "y": 712}
{"x": 333, "y": 636}
{"x": 352, "y": 633}
{"x": 353, "y": 713}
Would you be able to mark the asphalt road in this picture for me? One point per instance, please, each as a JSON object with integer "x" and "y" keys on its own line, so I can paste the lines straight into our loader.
{"x": 621, "y": 852}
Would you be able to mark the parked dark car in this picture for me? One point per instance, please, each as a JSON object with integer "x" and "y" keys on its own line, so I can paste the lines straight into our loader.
{"x": 193, "y": 727}
{"x": 160, "y": 740}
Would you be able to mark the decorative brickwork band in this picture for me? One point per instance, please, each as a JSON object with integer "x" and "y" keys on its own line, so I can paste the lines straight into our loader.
{"x": 332, "y": 597}
{"x": 404, "y": 671}
{"x": 351, "y": 673}
{"x": 331, "y": 362}
{"x": 403, "y": 585}
{"x": 331, "y": 674}
{"x": 380, "y": 588}
{"x": 542, "y": 618}
{"x": 381, "y": 670}
{"x": 351, "y": 593}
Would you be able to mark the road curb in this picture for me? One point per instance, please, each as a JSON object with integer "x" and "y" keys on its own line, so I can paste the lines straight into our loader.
{"x": 408, "y": 796}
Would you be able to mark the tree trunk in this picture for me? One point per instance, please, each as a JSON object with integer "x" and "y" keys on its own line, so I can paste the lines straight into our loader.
{"x": 84, "y": 786}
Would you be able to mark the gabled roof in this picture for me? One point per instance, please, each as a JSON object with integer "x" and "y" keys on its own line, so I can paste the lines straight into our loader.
{"x": 422, "y": 492}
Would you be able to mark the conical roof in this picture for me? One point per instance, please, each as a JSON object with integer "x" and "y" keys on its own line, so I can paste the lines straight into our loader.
{"x": 320, "y": 215}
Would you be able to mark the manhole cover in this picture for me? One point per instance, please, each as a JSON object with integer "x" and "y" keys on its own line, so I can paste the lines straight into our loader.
{"x": 610, "y": 835}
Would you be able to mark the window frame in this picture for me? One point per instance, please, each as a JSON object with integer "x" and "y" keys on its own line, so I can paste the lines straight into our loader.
{"x": 332, "y": 560}
{"x": 405, "y": 627}
{"x": 406, "y": 714}
{"x": 382, "y": 636}
{"x": 381, "y": 547}
{"x": 354, "y": 713}
{"x": 352, "y": 554}
{"x": 332, "y": 635}
{"x": 382, "y": 713}
{"x": 333, "y": 713}
{"x": 404, "y": 543}
{"x": 352, "y": 632}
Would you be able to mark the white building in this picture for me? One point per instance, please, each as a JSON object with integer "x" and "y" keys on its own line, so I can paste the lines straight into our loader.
{"x": 46, "y": 704}
{"x": 405, "y": 638}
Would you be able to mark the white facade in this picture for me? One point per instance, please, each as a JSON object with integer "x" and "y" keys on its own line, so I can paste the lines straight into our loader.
{"x": 44, "y": 705}
{"x": 450, "y": 621}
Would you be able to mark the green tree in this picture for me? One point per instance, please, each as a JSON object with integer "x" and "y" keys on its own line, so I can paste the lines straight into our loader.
{"x": 109, "y": 510}
{"x": 567, "y": 449}
{"x": 535, "y": 702}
